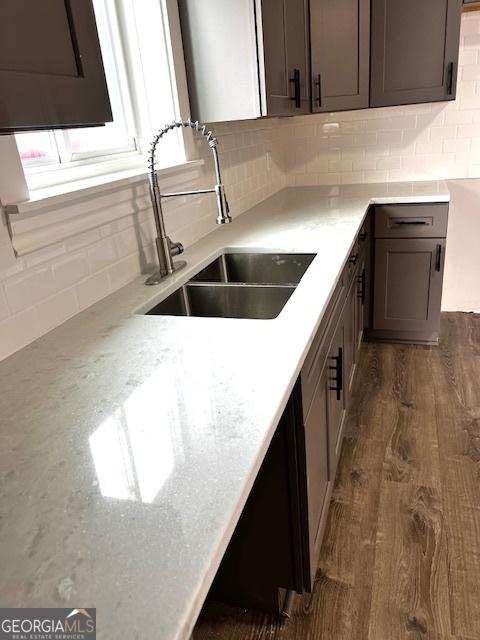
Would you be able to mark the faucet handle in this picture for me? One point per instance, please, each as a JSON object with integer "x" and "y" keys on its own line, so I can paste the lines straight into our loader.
{"x": 176, "y": 248}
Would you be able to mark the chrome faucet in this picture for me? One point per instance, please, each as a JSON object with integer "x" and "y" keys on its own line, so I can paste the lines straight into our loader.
{"x": 166, "y": 249}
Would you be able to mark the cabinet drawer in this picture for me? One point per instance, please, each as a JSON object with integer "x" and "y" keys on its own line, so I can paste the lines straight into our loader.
{"x": 411, "y": 221}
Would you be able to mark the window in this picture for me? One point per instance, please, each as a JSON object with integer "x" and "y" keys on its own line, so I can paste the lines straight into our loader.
{"x": 138, "y": 61}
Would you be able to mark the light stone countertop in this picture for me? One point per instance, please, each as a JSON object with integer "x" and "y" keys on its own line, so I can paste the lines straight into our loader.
{"x": 130, "y": 443}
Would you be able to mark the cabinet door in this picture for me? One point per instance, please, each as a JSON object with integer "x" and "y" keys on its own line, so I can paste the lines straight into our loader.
{"x": 336, "y": 398}
{"x": 414, "y": 51}
{"x": 316, "y": 453}
{"x": 340, "y": 46}
{"x": 285, "y": 56}
{"x": 51, "y": 71}
{"x": 408, "y": 285}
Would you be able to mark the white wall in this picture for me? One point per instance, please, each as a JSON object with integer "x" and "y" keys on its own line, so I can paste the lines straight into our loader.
{"x": 461, "y": 287}
{"x": 44, "y": 288}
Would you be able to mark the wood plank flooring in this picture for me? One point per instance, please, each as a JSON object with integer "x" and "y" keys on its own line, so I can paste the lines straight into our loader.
{"x": 401, "y": 554}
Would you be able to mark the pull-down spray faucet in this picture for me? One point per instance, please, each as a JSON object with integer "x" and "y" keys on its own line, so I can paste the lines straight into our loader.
{"x": 166, "y": 249}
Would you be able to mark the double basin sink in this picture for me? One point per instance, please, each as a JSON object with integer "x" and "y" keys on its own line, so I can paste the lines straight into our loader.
{"x": 238, "y": 285}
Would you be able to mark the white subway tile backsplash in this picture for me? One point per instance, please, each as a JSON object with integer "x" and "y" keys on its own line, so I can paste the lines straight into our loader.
{"x": 338, "y": 166}
{"x": 430, "y": 146}
{"x": 365, "y": 139}
{"x": 446, "y": 132}
{"x": 83, "y": 240}
{"x": 28, "y": 288}
{"x": 9, "y": 265}
{"x": 456, "y": 116}
{"x": 102, "y": 254}
{"x": 390, "y": 162}
{"x": 17, "y": 331}
{"x": 468, "y": 56}
{"x": 57, "y": 308}
{"x": 4, "y": 310}
{"x": 375, "y": 176}
{"x": 69, "y": 270}
{"x": 124, "y": 271}
{"x": 44, "y": 255}
{"x": 460, "y": 145}
{"x": 389, "y": 138}
{"x": 93, "y": 289}
{"x": 364, "y": 164}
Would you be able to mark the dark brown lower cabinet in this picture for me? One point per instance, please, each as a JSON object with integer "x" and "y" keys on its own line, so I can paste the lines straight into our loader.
{"x": 408, "y": 288}
{"x": 408, "y": 263}
{"x": 275, "y": 549}
{"x": 263, "y": 561}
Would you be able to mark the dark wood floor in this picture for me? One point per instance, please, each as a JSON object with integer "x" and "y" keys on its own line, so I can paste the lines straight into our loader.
{"x": 401, "y": 554}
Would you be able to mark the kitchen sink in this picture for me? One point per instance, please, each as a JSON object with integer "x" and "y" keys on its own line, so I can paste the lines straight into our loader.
{"x": 260, "y": 302}
{"x": 238, "y": 285}
{"x": 259, "y": 268}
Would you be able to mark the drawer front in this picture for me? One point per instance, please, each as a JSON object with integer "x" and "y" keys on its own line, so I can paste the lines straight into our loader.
{"x": 411, "y": 221}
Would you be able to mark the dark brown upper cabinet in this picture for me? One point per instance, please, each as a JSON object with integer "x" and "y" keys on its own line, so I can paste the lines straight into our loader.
{"x": 51, "y": 70}
{"x": 247, "y": 58}
{"x": 286, "y": 54}
{"x": 414, "y": 51}
{"x": 340, "y": 46}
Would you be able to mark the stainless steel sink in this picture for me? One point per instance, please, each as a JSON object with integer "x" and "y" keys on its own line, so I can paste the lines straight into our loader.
{"x": 261, "y": 302}
{"x": 259, "y": 268}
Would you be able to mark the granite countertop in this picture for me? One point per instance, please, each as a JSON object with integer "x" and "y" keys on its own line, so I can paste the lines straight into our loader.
{"x": 130, "y": 443}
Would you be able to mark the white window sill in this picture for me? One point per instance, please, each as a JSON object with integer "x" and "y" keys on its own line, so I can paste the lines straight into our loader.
{"x": 56, "y": 213}
{"x": 65, "y": 193}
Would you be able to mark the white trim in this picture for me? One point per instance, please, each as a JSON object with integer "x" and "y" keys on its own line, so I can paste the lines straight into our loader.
{"x": 13, "y": 185}
{"x": 173, "y": 36}
{"x": 52, "y": 217}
